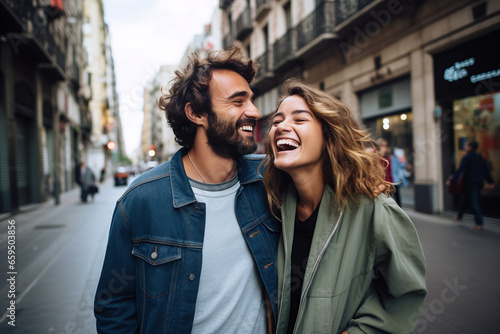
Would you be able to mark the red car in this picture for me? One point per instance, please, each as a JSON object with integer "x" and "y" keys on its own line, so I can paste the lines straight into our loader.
{"x": 121, "y": 176}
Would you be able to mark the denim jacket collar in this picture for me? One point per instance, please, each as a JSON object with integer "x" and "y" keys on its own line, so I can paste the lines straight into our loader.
{"x": 182, "y": 193}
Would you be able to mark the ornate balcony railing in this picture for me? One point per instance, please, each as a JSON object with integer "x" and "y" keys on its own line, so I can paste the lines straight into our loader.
{"x": 20, "y": 8}
{"x": 24, "y": 11}
{"x": 321, "y": 21}
{"x": 346, "y": 8}
{"x": 244, "y": 25}
{"x": 285, "y": 47}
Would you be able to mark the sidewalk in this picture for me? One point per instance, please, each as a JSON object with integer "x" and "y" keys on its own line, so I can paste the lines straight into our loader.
{"x": 446, "y": 218}
{"x": 66, "y": 197}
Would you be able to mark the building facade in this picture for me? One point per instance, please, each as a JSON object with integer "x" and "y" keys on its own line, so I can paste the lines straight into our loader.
{"x": 421, "y": 74}
{"x": 156, "y": 135}
{"x": 95, "y": 40}
{"x": 43, "y": 115}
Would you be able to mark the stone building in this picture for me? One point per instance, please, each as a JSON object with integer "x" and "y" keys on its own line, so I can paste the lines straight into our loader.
{"x": 103, "y": 104}
{"x": 422, "y": 74}
{"x": 44, "y": 119}
{"x": 156, "y": 134}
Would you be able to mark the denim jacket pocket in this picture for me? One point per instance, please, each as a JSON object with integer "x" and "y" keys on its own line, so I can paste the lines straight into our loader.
{"x": 157, "y": 267}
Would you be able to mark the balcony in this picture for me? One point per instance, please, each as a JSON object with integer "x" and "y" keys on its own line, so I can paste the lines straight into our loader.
{"x": 14, "y": 14}
{"x": 244, "y": 25}
{"x": 321, "y": 21}
{"x": 344, "y": 9}
{"x": 36, "y": 41}
{"x": 265, "y": 75}
{"x": 262, "y": 7}
{"x": 284, "y": 49}
{"x": 316, "y": 30}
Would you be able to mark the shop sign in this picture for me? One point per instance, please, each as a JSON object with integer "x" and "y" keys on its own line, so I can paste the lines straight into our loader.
{"x": 468, "y": 68}
{"x": 458, "y": 70}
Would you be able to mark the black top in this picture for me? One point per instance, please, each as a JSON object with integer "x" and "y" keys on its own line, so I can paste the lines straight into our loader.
{"x": 476, "y": 169}
{"x": 302, "y": 238}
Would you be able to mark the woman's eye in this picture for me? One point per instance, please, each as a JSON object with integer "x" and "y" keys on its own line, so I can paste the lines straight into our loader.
{"x": 276, "y": 122}
{"x": 300, "y": 120}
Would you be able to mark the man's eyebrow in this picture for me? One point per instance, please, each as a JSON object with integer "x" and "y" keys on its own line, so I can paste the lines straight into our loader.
{"x": 240, "y": 93}
{"x": 295, "y": 112}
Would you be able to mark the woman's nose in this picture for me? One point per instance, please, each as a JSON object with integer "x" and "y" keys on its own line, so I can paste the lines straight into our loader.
{"x": 283, "y": 126}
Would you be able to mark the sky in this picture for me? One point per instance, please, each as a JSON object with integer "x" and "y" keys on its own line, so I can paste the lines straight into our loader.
{"x": 146, "y": 34}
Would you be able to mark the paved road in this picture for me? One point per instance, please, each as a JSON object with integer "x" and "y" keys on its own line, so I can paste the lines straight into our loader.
{"x": 463, "y": 276}
{"x": 60, "y": 250}
{"x": 59, "y": 253}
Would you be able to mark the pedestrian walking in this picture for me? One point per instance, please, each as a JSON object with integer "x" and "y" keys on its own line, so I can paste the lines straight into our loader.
{"x": 86, "y": 181}
{"x": 474, "y": 170}
{"x": 348, "y": 261}
{"x": 192, "y": 240}
{"x": 391, "y": 166}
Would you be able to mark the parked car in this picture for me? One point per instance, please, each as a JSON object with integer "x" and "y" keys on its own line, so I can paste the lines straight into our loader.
{"x": 121, "y": 176}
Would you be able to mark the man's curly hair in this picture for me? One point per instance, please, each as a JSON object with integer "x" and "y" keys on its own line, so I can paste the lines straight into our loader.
{"x": 191, "y": 85}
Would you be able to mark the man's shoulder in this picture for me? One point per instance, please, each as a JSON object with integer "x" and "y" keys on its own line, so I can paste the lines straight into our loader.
{"x": 149, "y": 179}
{"x": 255, "y": 162}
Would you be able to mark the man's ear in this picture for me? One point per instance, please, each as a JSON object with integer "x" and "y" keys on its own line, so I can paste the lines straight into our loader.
{"x": 196, "y": 118}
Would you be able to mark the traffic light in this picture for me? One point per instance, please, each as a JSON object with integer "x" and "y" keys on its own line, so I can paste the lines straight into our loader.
{"x": 111, "y": 145}
{"x": 152, "y": 151}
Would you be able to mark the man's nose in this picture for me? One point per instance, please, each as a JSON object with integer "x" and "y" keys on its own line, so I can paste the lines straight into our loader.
{"x": 252, "y": 111}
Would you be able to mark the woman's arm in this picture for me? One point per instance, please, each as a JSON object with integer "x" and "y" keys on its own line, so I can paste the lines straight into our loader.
{"x": 397, "y": 292}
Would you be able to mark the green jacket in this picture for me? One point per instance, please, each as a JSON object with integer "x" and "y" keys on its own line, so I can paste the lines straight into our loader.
{"x": 365, "y": 272}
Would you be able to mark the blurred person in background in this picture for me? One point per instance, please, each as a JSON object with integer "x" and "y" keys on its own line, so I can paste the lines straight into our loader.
{"x": 475, "y": 172}
{"x": 86, "y": 181}
{"x": 392, "y": 168}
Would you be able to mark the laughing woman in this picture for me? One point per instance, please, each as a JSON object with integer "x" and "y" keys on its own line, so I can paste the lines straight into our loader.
{"x": 348, "y": 261}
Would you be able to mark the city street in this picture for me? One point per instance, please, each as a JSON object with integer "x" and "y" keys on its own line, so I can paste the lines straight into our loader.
{"x": 59, "y": 251}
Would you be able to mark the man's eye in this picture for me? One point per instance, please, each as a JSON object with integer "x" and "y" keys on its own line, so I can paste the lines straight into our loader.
{"x": 238, "y": 101}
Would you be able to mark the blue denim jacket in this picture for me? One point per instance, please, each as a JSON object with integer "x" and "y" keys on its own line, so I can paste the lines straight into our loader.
{"x": 151, "y": 271}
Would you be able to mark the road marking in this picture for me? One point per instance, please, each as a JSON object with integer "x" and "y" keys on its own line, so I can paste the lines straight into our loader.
{"x": 32, "y": 284}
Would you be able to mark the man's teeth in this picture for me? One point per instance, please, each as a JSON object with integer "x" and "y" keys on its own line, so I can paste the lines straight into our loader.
{"x": 287, "y": 142}
{"x": 246, "y": 128}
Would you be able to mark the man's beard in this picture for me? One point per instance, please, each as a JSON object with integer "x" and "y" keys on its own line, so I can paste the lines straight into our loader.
{"x": 226, "y": 141}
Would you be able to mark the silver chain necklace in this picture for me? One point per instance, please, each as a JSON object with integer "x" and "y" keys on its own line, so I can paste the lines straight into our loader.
{"x": 196, "y": 168}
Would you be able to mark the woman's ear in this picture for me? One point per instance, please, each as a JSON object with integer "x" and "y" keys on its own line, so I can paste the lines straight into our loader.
{"x": 194, "y": 117}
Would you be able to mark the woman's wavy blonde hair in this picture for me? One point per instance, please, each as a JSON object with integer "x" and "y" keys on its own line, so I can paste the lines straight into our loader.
{"x": 347, "y": 165}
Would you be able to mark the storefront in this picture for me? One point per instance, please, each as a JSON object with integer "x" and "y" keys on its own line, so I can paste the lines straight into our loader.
{"x": 386, "y": 112}
{"x": 467, "y": 87}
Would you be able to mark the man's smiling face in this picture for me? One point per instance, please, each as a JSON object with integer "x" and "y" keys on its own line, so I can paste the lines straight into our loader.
{"x": 231, "y": 123}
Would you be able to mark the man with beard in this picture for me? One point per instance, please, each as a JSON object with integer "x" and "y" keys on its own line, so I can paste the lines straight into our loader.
{"x": 192, "y": 243}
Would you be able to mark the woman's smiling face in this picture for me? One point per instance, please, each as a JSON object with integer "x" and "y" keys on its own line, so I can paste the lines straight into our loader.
{"x": 296, "y": 136}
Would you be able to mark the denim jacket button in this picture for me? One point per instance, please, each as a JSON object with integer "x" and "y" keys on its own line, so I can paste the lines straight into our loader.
{"x": 154, "y": 255}
{"x": 192, "y": 277}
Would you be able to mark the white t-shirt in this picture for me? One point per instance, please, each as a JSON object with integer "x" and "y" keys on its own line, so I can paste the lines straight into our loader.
{"x": 230, "y": 297}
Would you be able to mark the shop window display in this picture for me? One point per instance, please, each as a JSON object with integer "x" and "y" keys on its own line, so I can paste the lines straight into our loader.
{"x": 396, "y": 129}
{"x": 478, "y": 118}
